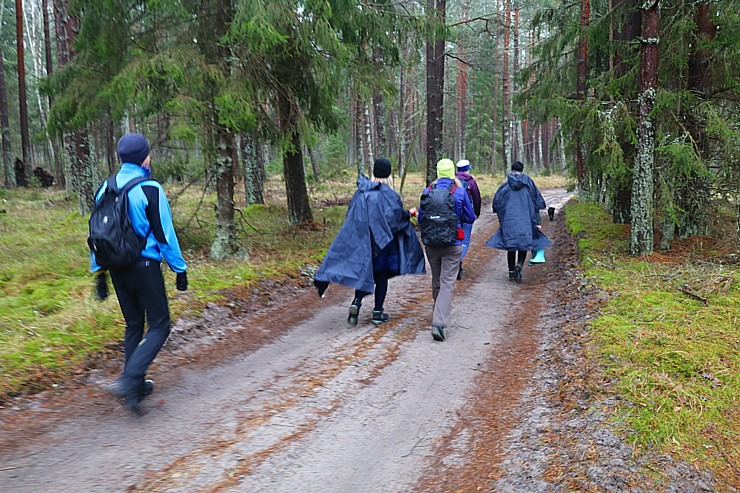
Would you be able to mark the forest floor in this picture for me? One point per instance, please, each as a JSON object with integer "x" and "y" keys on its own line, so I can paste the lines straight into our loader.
{"x": 274, "y": 392}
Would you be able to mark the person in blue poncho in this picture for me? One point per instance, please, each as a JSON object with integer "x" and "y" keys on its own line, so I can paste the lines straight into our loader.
{"x": 376, "y": 242}
{"x": 518, "y": 203}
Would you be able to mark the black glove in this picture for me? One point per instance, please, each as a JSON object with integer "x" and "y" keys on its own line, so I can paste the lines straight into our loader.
{"x": 101, "y": 286}
{"x": 181, "y": 282}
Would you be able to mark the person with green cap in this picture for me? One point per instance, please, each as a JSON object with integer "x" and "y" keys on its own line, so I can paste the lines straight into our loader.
{"x": 444, "y": 256}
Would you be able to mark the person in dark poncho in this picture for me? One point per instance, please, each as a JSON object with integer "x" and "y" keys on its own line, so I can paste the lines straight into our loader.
{"x": 518, "y": 203}
{"x": 376, "y": 242}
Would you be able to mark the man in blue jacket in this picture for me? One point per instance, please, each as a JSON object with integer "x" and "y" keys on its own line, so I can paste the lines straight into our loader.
{"x": 445, "y": 260}
{"x": 518, "y": 203}
{"x": 140, "y": 287}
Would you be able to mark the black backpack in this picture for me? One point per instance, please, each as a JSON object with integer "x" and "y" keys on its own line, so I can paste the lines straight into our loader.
{"x": 112, "y": 237}
{"x": 438, "y": 223}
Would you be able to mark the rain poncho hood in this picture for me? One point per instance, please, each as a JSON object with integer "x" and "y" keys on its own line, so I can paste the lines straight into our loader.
{"x": 376, "y": 227}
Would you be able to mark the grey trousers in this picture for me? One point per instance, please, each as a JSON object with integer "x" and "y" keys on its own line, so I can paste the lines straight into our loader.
{"x": 444, "y": 262}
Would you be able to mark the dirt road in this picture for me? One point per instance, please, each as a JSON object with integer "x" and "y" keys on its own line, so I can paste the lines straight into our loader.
{"x": 288, "y": 398}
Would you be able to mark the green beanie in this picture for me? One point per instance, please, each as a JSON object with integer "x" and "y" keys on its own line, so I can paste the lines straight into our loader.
{"x": 445, "y": 168}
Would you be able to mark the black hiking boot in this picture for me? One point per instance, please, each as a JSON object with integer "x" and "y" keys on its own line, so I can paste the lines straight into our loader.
{"x": 354, "y": 311}
{"x": 512, "y": 275}
{"x": 379, "y": 317}
{"x": 438, "y": 333}
{"x": 518, "y": 273}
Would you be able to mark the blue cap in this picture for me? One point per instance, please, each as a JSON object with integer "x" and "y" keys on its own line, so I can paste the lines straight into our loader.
{"x": 133, "y": 148}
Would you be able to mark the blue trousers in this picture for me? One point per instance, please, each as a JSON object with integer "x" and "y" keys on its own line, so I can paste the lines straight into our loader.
{"x": 467, "y": 229}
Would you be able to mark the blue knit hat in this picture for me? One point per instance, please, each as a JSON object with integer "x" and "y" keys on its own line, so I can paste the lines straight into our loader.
{"x": 133, "y": 148}
{"x": 463, "y": 165}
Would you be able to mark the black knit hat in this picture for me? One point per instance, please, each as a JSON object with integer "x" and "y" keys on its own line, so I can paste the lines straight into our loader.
{"x": 517, "y": 166}
{"x": 381, "y": 168}
{"x": 133, "y": 148}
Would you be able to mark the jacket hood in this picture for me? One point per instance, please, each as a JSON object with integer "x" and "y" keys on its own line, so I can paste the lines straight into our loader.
{"x": 517, "y": 180}
{"x": 364, "y": 184}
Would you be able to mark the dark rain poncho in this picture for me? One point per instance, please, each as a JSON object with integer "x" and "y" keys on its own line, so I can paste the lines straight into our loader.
{"x": 517, "y": 203}
{"x": 376, "y": 235}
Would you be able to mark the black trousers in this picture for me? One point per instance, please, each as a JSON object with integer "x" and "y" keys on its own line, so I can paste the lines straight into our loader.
{"x": 511, "y": 257}
{"x": 381, "y": 290}
{"x": 141, "y": 295}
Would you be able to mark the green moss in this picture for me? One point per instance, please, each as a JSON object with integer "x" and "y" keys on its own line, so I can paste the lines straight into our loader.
{"x": 674, "y": 359}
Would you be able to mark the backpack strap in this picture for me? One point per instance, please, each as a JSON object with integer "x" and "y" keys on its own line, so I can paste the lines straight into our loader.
{"x": 132, "y": 183}
{"x": 113, "y": 186}
{"x": 451, "y": 188}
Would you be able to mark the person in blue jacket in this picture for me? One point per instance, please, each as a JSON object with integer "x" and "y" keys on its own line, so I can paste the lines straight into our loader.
{"x": 445, "y": 261}
{"x": 518, "y": 203}
{"x": 376, "y": 242}
{"x": 140, "y": 287}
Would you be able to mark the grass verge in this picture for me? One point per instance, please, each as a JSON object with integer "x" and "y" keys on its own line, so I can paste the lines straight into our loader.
{"x": 668, "y": 340}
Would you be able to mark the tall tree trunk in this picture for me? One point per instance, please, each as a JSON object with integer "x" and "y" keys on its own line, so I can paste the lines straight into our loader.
{"x": 22, "y": 98}
{"x": 299, "y": 209}
{"x": 693, "y": 191}
{"x": 581, "y": 75}
{"x": 214, "y": 19}
{"x": 254, "y": 169}
{"x": 314, "y": 164}
{"x": 111, "y": 154}
{"x": 77, "y": 145}
{"x": 379, "y": 123}
{"x": 368, "y": 136}
{"x": 360, "y": 134}
{"x": 84, "y": 170}
{"x": 8, "y": 169}
{"x": 462, "y": 93}
{"x": 624, "y": 29}
{"x": 518, "y": 136}
{"x": 58, "y": 165}
{"x": 225, "y": 245}
{"x": 435, "y": 73}
{"x": 641, "y": 230}
{"x": 505, "y": 92}
{"x": 402, "y": 115}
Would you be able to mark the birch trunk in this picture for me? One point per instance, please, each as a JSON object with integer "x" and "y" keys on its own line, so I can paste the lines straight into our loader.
{"x": 359, "y": 135}
{"x": 8, "y": 171}
{"x": 368, "y": 137}
{"x": 402, "y": 118}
